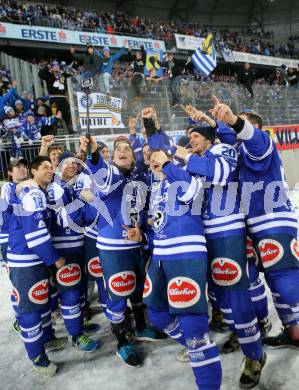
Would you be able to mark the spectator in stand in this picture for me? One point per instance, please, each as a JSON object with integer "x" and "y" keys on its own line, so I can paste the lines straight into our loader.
{"x": 6, "y": 98}
{"x": 47, "y": 123}
{"x": 90, "y": 60}
{"x": 11, "y": 132}
{"x": 28, "y": 101}
{"x": 19, "y": 107}
{"x": 246, "y": 77}
{"x": 174, "y": 70}
{"x": 34, "y": 127}
{"x": 92, "y": 20}
{"x": 106, "y": 66}
{"x": 41, "y": 102}
{"x": 57, "y": 89}
{"x": 138, "y": 64}
{"x": 153, "y": 78}
{"x": 292, "y": 75}
{"x": 280, "y": 76}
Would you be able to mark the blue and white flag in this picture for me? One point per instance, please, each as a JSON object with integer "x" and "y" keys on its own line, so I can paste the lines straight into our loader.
{"x": 204, "y": 58}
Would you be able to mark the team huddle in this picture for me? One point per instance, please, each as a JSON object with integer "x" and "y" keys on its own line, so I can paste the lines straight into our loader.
{"x": 157, "y": 226}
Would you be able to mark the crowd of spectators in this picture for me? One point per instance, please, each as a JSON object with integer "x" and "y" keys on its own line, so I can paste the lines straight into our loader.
{"x": 120, "y": 23}
{"x": 23, "y": 117}
{"x": 27, "y": 118}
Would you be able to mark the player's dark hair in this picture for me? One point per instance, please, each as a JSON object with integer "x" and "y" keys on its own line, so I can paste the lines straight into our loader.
{"x": 37, "y": 162}
{"x": 161, "y": 150}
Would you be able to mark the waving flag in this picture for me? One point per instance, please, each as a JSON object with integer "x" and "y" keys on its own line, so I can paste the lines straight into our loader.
{"x": 204, "y": 58}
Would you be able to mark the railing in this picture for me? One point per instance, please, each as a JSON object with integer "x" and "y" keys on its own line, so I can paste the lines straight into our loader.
{"x": 277, "y": 105}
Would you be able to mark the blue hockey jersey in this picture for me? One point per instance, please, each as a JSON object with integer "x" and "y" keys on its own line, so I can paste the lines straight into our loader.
{"x": 124, "y": 197}
{"x": 222, "y": 214}
{"x": 29, "y": 239}
{"x": 267, "y": 206}
{"x": 66, "y": 239}
{"x": 177, "y": 225}
{"x": 7, "y": 190}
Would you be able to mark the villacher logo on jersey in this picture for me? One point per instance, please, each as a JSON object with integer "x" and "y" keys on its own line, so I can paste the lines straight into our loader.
{"x": 147, "y": 287}
{"x": 271, "y": 252}
{"x": 94, "y": 267}
{"x": 16, "y": 295}
{"x": 295, "y": 248}
{"x": 123, "y": 283}
{"x": 183, "y": 292}
{"x": 69, "y": 275}
{"x": 225, "y": 272}
{"x": 39, "y": 292}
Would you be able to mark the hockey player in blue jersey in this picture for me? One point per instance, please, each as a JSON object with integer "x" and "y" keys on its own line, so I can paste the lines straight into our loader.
{"x": 91, "y": 254}
{"x": 122, "y": 263}
{"x": 70, "y": 279}
{"x": 17, "y": 172}
{"x": 257, "y": 287}
{"x": 226, "y": 242}
{"x": 176, "y": 281}
{"x": 270, "y": 218}
{"x": 29, "y": 254}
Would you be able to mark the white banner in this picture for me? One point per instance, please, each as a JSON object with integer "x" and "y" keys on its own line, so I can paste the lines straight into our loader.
{"x": 264, "y": 60}
{"x": 227, "y": 54}
{"x": 103, "y": 112}
{"x": 56, "y": 35}
{"x": 188, "y": 42}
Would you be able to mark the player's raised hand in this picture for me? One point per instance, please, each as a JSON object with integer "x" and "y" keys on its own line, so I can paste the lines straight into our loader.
{"x": 84, "y": 141}
{"x": 223, "y": 112}
{"x": 215, "y": 100}
{"x": 48, "y": 140}
{"x": 147, "y": 112}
